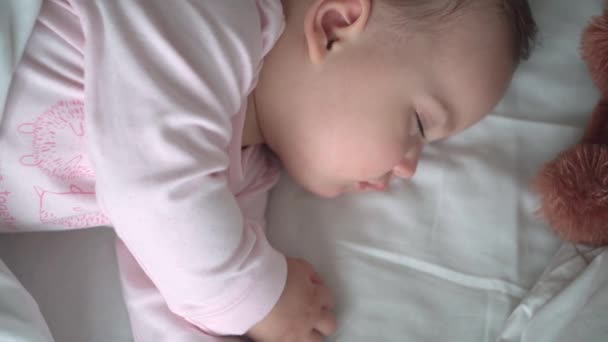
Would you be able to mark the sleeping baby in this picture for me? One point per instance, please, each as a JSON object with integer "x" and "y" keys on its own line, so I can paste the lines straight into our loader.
{"x": 168, "y": 120}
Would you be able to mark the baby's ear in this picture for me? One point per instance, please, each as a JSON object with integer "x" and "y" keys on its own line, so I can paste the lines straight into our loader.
{"x": 330, "y": 24}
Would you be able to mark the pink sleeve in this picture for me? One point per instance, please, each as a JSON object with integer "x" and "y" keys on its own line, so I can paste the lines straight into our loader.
{"x": 163, "y": 82}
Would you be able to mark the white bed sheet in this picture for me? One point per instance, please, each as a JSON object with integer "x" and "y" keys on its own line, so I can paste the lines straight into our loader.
{"x": 455, "y": 255}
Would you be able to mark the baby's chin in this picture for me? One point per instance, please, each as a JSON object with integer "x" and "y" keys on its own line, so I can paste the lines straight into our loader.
{"x": 325, "y": 193}
{"x": 317, "y": 185}
{"x": 328, "y": 192}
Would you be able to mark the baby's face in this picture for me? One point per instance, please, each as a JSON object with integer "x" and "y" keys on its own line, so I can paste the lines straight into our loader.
{"x": 365, "y": 112}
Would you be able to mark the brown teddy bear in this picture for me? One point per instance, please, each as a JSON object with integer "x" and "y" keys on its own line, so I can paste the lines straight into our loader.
{"x": 573, "y": 188}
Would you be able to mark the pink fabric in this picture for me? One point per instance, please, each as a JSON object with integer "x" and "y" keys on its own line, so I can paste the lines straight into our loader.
{"x": 151, "y": 319}
{"x": 130, "y": 113}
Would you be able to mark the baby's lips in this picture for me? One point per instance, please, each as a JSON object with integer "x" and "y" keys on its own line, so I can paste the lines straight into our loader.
{"x": 379, "y": 186}
{"x": 374, "y": 186}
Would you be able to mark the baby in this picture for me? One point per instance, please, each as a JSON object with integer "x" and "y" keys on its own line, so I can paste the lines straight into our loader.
{"x": 161, "y": 119}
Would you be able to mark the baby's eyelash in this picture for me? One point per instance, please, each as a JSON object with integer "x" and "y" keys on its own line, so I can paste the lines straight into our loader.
{"x": 420, "y": 125}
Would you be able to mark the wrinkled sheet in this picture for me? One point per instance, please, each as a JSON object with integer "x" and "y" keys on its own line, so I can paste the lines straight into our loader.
{"x": 455, "y": 255}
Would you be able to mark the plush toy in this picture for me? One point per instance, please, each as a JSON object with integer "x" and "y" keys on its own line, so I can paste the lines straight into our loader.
{"x": 574, "y": 187}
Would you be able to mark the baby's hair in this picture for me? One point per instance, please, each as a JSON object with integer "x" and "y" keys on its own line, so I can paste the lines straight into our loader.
{"x": 517, "y": 12}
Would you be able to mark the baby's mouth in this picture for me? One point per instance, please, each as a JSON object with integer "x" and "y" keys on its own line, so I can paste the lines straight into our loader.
{"x": 372, "y": 186}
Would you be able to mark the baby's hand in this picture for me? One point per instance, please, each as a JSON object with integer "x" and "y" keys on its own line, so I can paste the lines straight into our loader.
{"x": 303, "y": 312}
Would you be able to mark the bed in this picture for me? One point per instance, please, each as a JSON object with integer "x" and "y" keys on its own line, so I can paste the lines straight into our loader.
{"x": 457, "y": 254}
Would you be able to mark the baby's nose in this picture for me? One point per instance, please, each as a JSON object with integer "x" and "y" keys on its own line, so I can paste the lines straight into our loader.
{"x": 406, "y": 168}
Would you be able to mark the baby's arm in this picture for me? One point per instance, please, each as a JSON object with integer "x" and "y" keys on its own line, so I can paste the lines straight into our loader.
{"x": 304, "y": 309}
{"x": 162, "y": 83}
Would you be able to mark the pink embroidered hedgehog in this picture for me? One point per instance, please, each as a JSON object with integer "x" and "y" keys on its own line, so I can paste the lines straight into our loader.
{"x": 58, "y": 146}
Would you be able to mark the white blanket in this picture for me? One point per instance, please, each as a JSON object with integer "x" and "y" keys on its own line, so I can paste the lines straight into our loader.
{"x": 455, "y": 255}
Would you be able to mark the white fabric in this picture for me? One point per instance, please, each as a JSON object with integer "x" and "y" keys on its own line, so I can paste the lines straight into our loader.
{"x": 570, "y": 298}
{"x": 73, "y": 277}
{"x": 17, "y": 19}
{"x": 456, "y": 255}
{"x": 20, "y": 318}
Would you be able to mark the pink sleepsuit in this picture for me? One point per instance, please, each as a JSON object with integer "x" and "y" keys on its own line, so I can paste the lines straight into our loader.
{"x": 129, "y": 113}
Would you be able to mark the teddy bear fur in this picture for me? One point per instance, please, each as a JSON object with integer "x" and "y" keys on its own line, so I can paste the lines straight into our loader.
{"x": 573, "y": 188}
